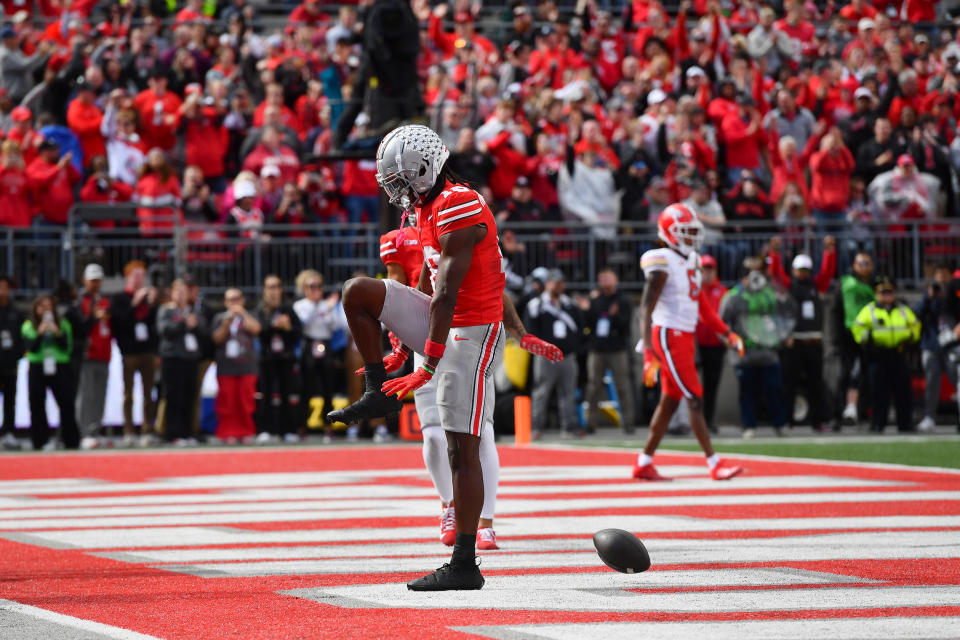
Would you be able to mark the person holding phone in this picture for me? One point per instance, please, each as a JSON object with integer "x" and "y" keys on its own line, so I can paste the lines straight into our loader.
{"x": 49, "y": 342}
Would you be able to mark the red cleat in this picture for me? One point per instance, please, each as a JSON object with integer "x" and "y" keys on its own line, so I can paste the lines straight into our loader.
{"x": 724, "y": 472}
{"x": 648, "y": 472}
{"x": 448, "y": 526}
{"x": 487, "y": 539}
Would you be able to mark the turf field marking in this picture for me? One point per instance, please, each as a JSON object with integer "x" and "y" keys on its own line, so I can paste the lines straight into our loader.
{"x": 74, "y": 623}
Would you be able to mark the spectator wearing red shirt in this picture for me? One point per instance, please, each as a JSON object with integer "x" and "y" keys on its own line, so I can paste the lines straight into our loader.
{"x": 709, "y": 345}
{"x": 639, "y": 10}
{"x": 51, "y": 181}
{"x": 866, "y": 39}
{"x": 549, "y": 61}
{"x": 916, "y": 11}
{"x": 271, "y": 151}
{"x": 462, "y": 30}
{"x": 15, "y": 207}
{"x": 274, "y": 98}
{"x": 855, "y": 11}
{"x": 206, "y": 140}
{"x": 361, "y": 193}
{"x": 84, "y": 118}
{"x": 24, "y": 133}
{"x": 101, "y": 188}
{"x": 158, "y": 187}
{"x": 307, "y": 13}
{"x": 510, "y": 164}
{"x": 158, "y": 110}
{"x": 799, "y": 33}
{"x": 909, "y": 96}
{"x": 744, "y": 137}
{"x": 831, "y": 168}
{"x": 592, "y": 148}
{"x": 611, "y": 47}
{"x": 93, "y": 328}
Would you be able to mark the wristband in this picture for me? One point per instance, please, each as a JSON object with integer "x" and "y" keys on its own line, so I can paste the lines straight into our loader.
{"x": 428, "y": 369}
{"x": 433, "y": 349}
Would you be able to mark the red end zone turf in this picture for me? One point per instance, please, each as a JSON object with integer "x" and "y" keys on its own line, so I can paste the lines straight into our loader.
{"x": 318, "y": 543}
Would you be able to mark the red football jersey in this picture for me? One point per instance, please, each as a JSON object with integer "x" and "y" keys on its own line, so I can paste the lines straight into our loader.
{"x": 402, "y": 246}
{"x": 480, "y": 299}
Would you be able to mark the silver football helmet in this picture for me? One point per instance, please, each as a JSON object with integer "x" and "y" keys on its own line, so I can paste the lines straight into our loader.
{"x": 409, "y": 160}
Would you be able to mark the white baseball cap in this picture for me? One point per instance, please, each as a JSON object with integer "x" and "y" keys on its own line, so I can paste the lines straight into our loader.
{"x": 270, "y": 170}
{"x": 803, "y": 261}
{"x": 244, "y": 189}
{"x": 696, "y": 71}
{"x": 862, "y": 92}
{"x": 656, "y": 96}
{"x": 866, "y": 23}
{"x": 93, "y": 272}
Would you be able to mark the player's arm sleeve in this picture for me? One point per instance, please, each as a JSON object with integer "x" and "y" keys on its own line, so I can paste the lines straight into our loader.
{"x": 709, "y": 317}
{"x": 458, "y": 211}
{"x": 654, "y": 261}
{"x": 388, "y": 248}
{"x": 828, "y": 269}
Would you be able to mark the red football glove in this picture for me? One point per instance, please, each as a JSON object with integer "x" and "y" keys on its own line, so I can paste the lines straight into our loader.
{"x": 393, "y": 361}
{"x": 736, "y": 342}
{"x": 405, "y": 384}
{"x": 651, "y": 368}
{"x": 538, "y": 347}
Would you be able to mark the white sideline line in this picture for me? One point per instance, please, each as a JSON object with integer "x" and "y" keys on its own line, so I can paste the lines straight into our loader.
{"x": 75, "y": 623}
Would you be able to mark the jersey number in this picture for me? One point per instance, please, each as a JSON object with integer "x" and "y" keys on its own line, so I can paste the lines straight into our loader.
{"x": 693, "y": 275}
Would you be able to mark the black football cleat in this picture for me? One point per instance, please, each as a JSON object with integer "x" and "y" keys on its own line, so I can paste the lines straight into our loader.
{"x": 374, "y": 403}
{"x": 449, "y": 577}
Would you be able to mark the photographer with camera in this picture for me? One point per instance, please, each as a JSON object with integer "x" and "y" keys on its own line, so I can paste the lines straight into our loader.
{"x": 936, "y": 340}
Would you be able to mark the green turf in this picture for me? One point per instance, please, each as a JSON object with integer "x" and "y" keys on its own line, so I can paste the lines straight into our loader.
{"x": 925, "y": 453}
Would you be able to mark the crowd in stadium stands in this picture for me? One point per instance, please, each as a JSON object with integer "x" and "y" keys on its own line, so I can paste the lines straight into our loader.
{"x": 780, "y": 118}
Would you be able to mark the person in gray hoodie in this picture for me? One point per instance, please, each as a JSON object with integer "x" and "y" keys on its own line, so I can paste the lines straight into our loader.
{"x": 16, "y": 69}
{"x": 182, "y": 330}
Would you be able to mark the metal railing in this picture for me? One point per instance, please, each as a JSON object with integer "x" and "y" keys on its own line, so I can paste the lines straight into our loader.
{"x": 220, "y": 257}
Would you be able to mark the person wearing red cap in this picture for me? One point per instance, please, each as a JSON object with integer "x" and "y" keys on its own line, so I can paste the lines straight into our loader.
{"x": 463, "y": 30}
{"x": 902, "y": 193}
{"x": 24, "y": 133}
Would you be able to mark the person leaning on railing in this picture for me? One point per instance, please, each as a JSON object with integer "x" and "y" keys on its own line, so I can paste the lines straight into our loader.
{"x": 885, "y": 329}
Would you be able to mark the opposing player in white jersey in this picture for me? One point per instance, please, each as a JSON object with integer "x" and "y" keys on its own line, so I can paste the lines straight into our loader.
{"x": 672, "y": 303}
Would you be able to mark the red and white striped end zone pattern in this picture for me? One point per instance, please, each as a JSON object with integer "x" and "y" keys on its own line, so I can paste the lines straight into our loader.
{"x": 318, "y": 543}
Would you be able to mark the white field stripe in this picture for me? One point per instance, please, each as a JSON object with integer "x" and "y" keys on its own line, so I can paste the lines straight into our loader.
{"x": 932, "y": 627}
{"x": 428, "y": 507}
{"x": 566, "y": 593}
{"x": 881, "y": 544}
{"x": 74, "y": 623}
{"x": 693, "y": 554}
{"x": 15, "y": 506}
{"x": 259, "y": 480}
{"x": 184, "y": 536}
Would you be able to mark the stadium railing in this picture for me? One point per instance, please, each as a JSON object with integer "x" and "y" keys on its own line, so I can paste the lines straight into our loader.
{"x": 220, "y": 258}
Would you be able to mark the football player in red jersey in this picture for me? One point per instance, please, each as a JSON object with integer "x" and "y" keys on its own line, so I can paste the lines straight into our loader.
{"x": 400, "y": 251}
{"x": 672, "y": 302}
{"x": 458, "y": 330}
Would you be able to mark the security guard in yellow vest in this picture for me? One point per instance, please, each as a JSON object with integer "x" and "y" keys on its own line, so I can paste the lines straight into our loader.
{"x": 885, "y": 329}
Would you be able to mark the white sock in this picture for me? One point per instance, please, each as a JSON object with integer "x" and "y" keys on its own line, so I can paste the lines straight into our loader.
{"x": 490, "y": 464}
{"x": 713, "y": 461}
{"x": 643, "y": 460}
{"x": 437, "y": 462}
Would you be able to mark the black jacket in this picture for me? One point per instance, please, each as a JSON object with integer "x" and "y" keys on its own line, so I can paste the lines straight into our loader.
{"x": 609, "y": 332}
{"x": 272, "y": 338}
{"x": 11, "y": 342}
{"x": 561, "y": 325}
{"x": 124, "y": 320}
{"x": 809, "y": 312}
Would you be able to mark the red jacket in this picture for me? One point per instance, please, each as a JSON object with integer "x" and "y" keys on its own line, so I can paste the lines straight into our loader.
{"x": 101, "y": 335}
{"x": 52, "y": 189}
{"x": 300, "y": 15}
{"x": 919, "y": 10}
{"x": 151, "y": 190}
{"x": 15, "y": 209}
{"x": 446, "y": 41}
{"x": 544, "y": 60}
{"x": 29, "y": 142}
{"x": 117, "y": 191}
{"x": 285, "y": 158}
{"x": 360, "y": 178}
{"x": 206, "y": 142}
{"x": 743, "y": 150}
{"x": 510, "y": 164}
{"x": 830, "y": 184}
{"x": 154, "y": 131}
{"x": 84, "y": 120}
{"x": 713, "y": 293}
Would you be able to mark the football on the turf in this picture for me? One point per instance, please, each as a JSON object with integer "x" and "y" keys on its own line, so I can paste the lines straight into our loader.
{"x": 621, "y": 550}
